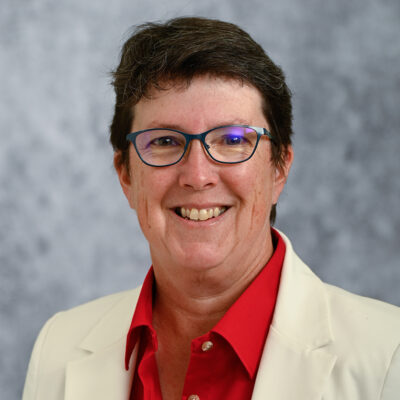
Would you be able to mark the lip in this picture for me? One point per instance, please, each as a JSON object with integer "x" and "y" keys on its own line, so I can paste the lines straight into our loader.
{"x": 200, "y": 206}
{"x": 198, "y": 223}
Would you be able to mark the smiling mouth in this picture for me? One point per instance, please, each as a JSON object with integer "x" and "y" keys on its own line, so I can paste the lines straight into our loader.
{"x": 202, "y": 214}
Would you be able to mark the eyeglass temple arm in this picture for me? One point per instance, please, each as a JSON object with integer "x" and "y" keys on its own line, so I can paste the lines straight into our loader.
{"x": 264, "y": 132}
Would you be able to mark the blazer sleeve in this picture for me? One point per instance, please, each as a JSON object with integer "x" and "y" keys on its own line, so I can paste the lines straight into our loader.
{"x": 391, "y": 387}
{"x": 35, "y": 372}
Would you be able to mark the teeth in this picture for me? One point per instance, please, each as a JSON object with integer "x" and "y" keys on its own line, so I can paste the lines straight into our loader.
{"x": 203, "y": 214}
{"x": 194, "y": 214}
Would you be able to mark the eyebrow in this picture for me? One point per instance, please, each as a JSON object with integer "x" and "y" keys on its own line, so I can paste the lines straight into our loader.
{"x": 156, "y": 124}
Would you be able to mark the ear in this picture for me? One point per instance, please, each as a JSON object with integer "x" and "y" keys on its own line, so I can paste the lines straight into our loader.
{"x": 124, "y": 177}
{"x": 281, "y": 174}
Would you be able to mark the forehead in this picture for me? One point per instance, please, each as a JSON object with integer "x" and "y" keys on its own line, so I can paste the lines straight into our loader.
{"x": 204, "y": 103}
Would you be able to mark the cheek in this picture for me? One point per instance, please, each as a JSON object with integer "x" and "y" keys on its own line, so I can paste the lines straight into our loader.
{"x": 149, "y": 191}
{"x": 138, "y": 196}
{"x": 262, "y": 190}
{"x": 254, "y": 184}
{"x": 261, "y": 203}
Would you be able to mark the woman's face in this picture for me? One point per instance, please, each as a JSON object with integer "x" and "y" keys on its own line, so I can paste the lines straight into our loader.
{"x": 246, "y": 190}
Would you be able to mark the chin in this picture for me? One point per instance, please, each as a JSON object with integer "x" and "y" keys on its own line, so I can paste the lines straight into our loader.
{"x": 201, "y": 258}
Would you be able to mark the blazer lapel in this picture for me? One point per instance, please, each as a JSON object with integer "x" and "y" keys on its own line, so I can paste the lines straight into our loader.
{"x": 289, "y": 372}
{"x": 100, "y": 374}
{"x": 296, "y": 362}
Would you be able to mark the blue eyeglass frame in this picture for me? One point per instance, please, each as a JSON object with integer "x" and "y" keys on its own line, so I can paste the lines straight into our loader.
{"x": 200, "y": 136}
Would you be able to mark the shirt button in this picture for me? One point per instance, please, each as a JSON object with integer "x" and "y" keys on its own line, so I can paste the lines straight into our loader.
{"x": 193, "y": 397}
{"x": 207, "y": 345}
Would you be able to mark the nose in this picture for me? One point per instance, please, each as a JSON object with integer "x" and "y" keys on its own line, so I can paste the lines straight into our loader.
{"x": 198, "y": 171}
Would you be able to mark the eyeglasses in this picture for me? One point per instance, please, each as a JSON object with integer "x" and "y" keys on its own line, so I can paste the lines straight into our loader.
{"x": 229, "y": 144}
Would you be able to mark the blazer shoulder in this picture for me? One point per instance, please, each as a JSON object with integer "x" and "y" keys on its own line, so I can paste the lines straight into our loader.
{"x": 364, "y": 326}
{"x": 72, "y": 326}
{"x": 91, "y": 311}
{"x": 363, "y": 311}
{"x": 71, "y": 334}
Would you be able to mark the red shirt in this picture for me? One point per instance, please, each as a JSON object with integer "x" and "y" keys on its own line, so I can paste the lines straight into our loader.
{"x": 223, "y": 362}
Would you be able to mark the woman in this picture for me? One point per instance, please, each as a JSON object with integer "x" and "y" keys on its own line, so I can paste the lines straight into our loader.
{"x": 202, "y": 139}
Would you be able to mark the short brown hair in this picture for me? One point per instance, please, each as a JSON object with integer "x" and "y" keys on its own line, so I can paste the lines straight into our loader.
{"x": 183, "y": 48}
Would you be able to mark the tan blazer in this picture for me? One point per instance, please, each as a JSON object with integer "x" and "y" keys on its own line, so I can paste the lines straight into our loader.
{"x": 324, "y": 343}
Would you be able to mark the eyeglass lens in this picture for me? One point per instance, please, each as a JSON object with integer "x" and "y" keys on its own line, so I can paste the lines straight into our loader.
{"x": 226, "y": 144}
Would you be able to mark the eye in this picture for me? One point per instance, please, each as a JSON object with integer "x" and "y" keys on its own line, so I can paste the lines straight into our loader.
{"x": 165, "y": 141}
{"x": 232, "y": 140}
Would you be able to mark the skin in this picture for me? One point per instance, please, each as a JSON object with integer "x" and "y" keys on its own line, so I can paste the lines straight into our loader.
{"x": 201, "y": 268}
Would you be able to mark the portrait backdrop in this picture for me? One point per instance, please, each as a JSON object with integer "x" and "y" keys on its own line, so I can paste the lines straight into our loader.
{"x": 67, "y": 234}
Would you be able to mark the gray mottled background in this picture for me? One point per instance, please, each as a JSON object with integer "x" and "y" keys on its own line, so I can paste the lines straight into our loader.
{"x": 66, "y": 232}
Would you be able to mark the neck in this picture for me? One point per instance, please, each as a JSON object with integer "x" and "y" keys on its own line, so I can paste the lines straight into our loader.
{"x": 190, "y": 303}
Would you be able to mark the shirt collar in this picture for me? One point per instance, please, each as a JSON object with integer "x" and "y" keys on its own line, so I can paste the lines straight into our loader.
{"x": 142, "y": 317}
{"x": 244, "y": 326}
{"x": 246, "y": 323}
